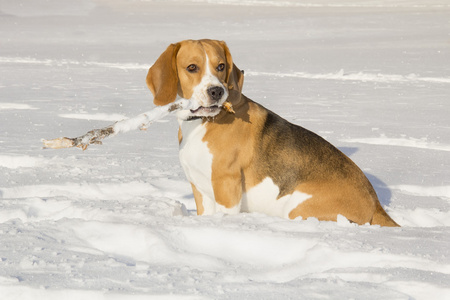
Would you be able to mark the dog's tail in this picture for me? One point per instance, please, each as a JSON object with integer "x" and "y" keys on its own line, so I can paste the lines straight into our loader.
{"x": 380, "y": 217}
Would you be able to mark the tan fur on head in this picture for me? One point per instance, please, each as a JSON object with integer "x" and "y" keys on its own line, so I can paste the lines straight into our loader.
{"x": 165, "y": 78}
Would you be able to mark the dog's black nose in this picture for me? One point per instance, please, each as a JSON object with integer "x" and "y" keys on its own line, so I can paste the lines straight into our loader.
{"x": 215, "y": 92}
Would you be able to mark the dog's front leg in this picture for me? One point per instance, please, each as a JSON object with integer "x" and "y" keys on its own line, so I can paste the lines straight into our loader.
{"x": 226, "y": 197}
{"x": 227, "y": 193}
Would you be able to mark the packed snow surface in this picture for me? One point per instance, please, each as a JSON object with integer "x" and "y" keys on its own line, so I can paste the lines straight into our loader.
{"x": 118, "y": 221}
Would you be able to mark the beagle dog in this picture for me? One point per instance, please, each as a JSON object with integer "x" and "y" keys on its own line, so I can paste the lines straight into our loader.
{"x": 252, "y": 160}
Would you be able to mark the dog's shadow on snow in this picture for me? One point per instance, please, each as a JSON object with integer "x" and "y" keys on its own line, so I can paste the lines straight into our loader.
{"x": 383, "y": 191}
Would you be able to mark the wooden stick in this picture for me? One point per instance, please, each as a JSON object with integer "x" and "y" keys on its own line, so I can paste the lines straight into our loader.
{"x": 139, "y": 122}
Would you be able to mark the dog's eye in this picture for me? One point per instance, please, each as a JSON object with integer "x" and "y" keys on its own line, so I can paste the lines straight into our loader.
{"x": 192, "y": 68}
{"x": 220, "y": 67}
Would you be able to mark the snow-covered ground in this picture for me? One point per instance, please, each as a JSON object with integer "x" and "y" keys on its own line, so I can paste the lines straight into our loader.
{"x": 118, "y": 221}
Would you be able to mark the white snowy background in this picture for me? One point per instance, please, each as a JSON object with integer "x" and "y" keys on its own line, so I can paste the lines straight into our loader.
{"x": 118, "y": 221}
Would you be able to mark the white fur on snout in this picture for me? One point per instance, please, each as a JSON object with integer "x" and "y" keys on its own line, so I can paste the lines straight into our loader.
{"x": 200, "y": 95}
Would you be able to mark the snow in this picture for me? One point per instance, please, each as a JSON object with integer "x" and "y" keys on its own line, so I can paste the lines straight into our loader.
{"x": 118, "y": 221}
{"x": 97, "y": 117}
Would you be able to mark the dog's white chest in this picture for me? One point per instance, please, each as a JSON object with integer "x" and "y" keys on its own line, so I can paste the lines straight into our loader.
{"x": 195, "y": 157}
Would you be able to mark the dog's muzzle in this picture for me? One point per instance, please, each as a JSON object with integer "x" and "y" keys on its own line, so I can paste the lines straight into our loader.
{"x": 215, "y": 93}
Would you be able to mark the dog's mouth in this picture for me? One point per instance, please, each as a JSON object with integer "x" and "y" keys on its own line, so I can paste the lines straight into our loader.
{"x": 206, "y": 111}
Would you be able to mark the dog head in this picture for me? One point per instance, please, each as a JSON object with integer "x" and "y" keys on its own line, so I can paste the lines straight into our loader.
{"x": 201, "y": 71}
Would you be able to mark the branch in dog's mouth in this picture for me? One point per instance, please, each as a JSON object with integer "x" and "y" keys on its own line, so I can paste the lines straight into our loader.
{"x": 139, "y": 122}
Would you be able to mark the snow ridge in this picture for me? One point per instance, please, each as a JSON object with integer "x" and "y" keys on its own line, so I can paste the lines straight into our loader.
{"x": 339, "y": 75}
{"x": 399, "y": 142}
{"x": 359, "y": 76}
{"x": 327, "y": 3}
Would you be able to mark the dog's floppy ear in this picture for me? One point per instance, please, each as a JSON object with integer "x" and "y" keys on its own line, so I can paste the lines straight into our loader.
{"x": 235, "y": 77}
{"x": 162, "y": 77}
